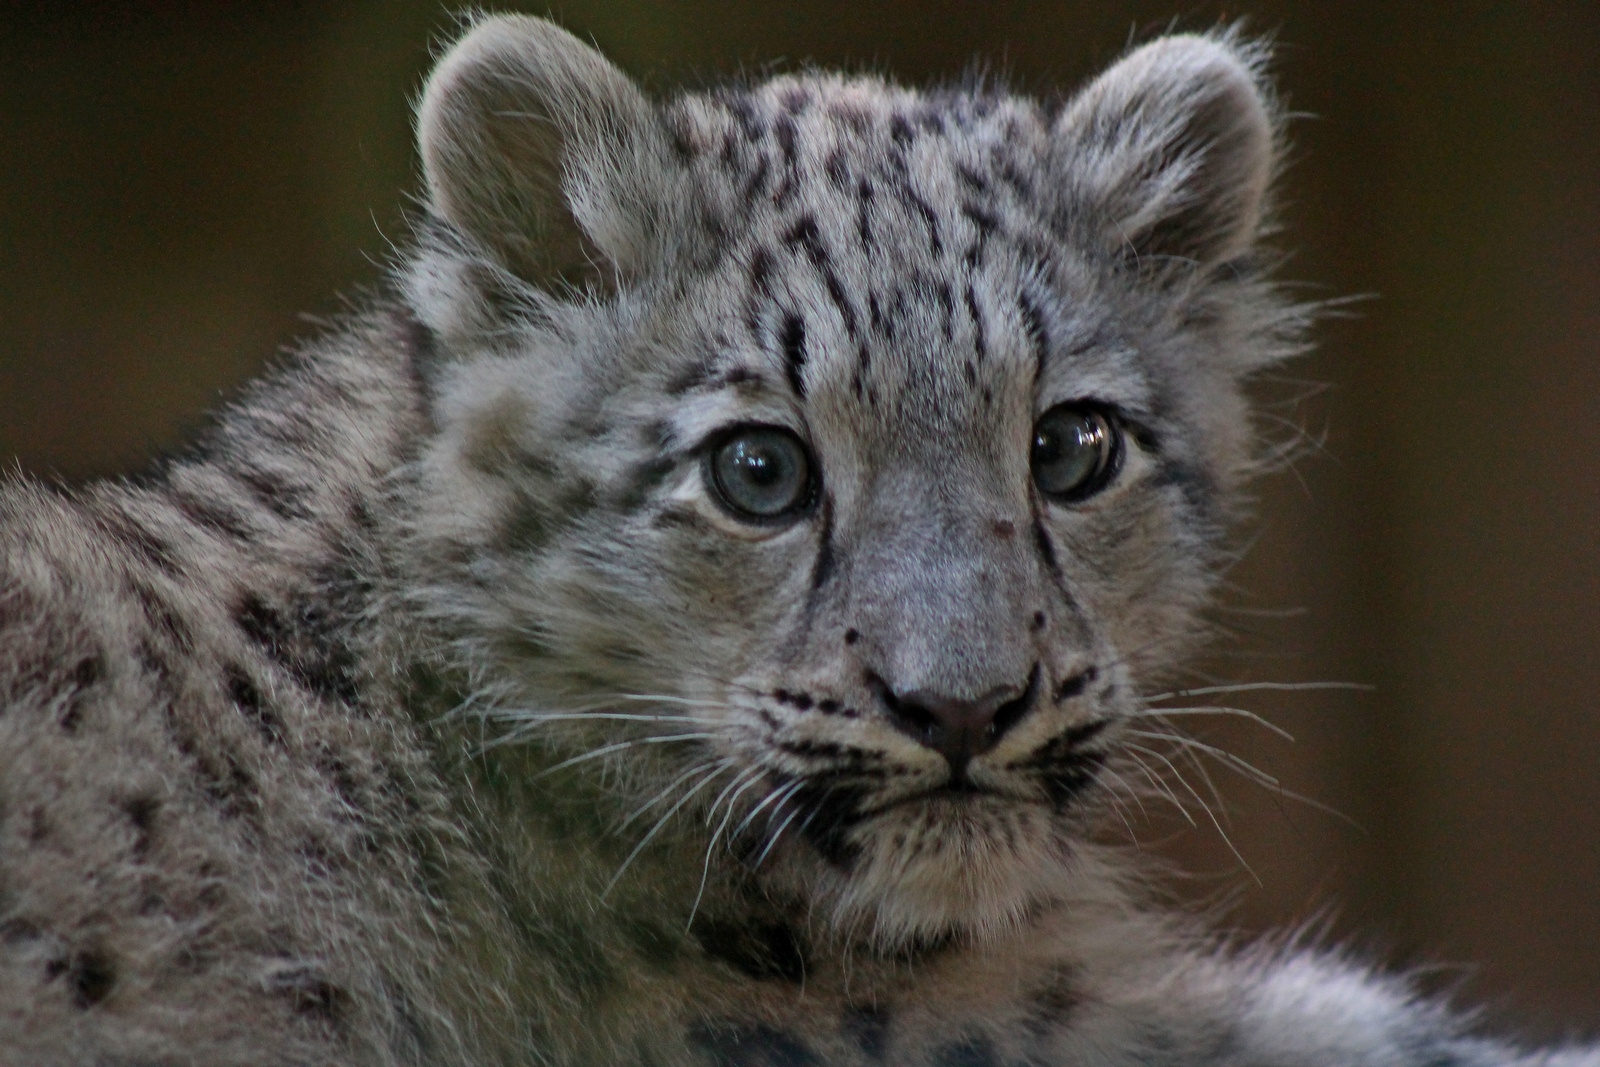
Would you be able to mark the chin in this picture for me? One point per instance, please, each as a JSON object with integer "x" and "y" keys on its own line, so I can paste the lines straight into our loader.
{"x": 933, "y": 870}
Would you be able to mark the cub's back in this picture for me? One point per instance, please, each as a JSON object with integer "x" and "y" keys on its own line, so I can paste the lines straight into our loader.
{"x": 213, "y": 832}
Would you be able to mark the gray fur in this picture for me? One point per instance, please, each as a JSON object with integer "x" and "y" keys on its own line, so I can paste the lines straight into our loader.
{"x": 433, "y": 711}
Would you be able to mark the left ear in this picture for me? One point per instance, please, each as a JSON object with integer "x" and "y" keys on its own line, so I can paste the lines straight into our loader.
{"x": 544, "y": 153}
{"x": 1167, "y": 155}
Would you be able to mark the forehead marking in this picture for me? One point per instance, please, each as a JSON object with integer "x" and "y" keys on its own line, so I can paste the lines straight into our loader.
{"x": 972, "y": 179}
{"x": 980, "y": 338}
{"x": 863, "y": 221}
{"x": 917, "y": 204}
{"x": 786, "y": 133}
{"x": 793, "y": 340}
{"x": 806, "y": 237}
{"x": 987, "y": 223}
{"x": 757, "y": 185}
{"x": 837, "y": 170}
{"x": 947, "y": 305}
{"x": 743, "y": 109}
{"x": 760, "y": 294}
{"x": 1038, "y": 333}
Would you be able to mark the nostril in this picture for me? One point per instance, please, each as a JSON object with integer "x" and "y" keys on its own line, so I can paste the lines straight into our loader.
{"x": 958, "y": 729}
{"x": 1011, "y": 712}
{"x": 912, "y": 718}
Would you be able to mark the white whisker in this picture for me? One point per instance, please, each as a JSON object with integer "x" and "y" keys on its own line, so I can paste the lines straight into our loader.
{"x": 784, "y": 792}
{"x": 1163, "y": 789}
{"x": 1228, "y": 759}
{"x": 581, "y": 715}
{"x": 1243, "y": 713}
{"x": 661, "y": 822}
{"x": 1247, "y": 687}
{"x": 1127, "y": 787}
{"x": 753, "y": 775}
{"x": 693, "y": 702}
{"x": 608, "y": 749}
{"x": 711, "y": 812}
{"x": 667, "y": 791}
{"x": 772, "y": 839}
{"x": 1203, "y": 807}
{"x": 1118, "y": 808}
{"x": 1252, "y": 773}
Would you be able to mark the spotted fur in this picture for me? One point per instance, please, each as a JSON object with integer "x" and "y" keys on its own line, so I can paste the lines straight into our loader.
{"x": 434, "y": 710}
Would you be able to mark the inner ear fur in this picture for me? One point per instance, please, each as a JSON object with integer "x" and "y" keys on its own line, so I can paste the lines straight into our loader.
{"x": 543, "y": 152}
{"x": 1170, "y": 152}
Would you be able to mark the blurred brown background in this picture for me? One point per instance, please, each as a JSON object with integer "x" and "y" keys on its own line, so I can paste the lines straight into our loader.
{"x": 178, "y": 182}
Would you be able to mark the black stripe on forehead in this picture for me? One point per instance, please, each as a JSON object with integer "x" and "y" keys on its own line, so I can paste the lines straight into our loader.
{"x": 807, "y": 237}
{"x": 980, "y": 339}
{"x": 791, "y": 333}
{"x": 726, "y": 369}
{"x": 864, "y": 195}
{"x": 793, "y": 341}
{"x": 1038, "y": 332}
{"x": 837, "y": 170}
{"x": 787, "y": 134}
{"x": 756, "y": 185}
{"x": 760, "y": 295}
{"x": 899, "y": 170}
{"x": 947, "y": 306}
{"x": 745, "y": 112}
{"x": 987, "y": 224}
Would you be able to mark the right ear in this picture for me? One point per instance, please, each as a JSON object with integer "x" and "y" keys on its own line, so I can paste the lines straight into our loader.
{"x": 1171, "y": 150}
{"x": 543, "y": 152}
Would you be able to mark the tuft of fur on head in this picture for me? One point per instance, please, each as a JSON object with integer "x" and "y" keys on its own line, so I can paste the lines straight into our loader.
{"x": 903, "y": 283}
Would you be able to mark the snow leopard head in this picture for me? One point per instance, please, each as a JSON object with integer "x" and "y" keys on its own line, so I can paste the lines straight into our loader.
{"x": 834, "y": 461}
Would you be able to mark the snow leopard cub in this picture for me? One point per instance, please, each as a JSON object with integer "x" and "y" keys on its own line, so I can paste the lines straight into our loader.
{"x": 693, "y": 620}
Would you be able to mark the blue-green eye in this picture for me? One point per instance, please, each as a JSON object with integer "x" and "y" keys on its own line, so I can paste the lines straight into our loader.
{"x": 761, "y": 474}
{"x": 1076, "y": 452}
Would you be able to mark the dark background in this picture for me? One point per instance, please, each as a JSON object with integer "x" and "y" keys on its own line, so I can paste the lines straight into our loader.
{"x": 179, "y": 182}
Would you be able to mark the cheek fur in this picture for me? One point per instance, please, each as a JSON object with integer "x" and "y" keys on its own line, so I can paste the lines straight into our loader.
{"x": 735, "y": 589}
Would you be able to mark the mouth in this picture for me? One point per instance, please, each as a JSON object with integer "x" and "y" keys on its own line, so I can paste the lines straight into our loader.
{"x": 1062, "y": 768}
{"x": 830, "y": 811}
{"x": 957, "y": 790}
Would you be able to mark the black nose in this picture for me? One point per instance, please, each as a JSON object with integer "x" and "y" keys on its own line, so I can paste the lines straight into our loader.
{"x": 959, "y": 729}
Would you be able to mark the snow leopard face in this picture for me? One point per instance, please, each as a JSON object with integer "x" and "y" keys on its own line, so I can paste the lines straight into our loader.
{"x": 834, "y": 465}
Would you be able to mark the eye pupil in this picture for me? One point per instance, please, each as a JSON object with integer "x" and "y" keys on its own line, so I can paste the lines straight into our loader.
{"x": 759, "y": 466}
{"x": 760, "y": 473}
{"x": 1075, "y": 452}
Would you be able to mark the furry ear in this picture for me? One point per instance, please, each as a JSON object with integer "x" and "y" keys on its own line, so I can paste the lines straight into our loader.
{"x": 542, "y": 151}
{"x": 1170, "y": 152}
